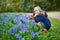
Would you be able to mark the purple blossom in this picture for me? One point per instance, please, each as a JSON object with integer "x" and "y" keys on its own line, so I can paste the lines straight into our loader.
{"x": 24, "y": 20}
{"x": 33, "y": 24}
{"x": 16, "y": 19}
{"x": 25, "y": 26}
{"x": 16, "y": 15}
{"x": 11, "y": 30}
{"x": 26, "y": 16}
{"x": 33, "y": 34}
{"x": 25, "y": 30}
{"x": 36, "y": 34}
{"x": 5, "y": 17}
{"x": 20, "y": 26}
{"x": 18, "y": 36}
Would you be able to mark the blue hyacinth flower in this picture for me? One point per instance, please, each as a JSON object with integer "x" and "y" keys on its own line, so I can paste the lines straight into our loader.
{"x": 16, "y": 19}
{"x": 24, "y": 20}
{"x": 20, "y": 26}
{"x": 11, "y": 31}
{"x": 25, "y": 26}
{"x": 18, "y": 36}
{"x": 25, "y": 30}
{"x": 33, "y": 34}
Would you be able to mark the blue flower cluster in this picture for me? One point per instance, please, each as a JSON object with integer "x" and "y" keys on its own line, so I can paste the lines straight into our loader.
{"x": 17, "y": 27}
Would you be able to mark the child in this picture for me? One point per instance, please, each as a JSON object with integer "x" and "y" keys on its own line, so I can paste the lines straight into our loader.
{"x": 41, "y": 18}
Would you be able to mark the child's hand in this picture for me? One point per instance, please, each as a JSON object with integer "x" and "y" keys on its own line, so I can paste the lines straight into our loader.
{"x": 36, "y": 14}
{"x": 30, "y": 17}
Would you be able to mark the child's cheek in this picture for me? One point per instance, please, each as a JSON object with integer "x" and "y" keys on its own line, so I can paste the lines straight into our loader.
{"x": 38, "y": 11}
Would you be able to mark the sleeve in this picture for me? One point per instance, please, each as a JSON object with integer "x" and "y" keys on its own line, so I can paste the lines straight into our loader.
{"x": 39, "y": 18}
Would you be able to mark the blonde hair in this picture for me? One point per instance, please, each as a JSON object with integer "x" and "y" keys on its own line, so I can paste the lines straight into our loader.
{"x": 39, "y": 8}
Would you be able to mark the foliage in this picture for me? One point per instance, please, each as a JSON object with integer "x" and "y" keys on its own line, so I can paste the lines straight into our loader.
{"x": 28, "y": 5}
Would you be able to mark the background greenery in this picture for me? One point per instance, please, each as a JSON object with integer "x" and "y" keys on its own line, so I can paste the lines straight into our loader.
{"x": 28, "y": 5}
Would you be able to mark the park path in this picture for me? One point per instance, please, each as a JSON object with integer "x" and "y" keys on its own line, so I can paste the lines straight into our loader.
{"x": 54, "y": 15}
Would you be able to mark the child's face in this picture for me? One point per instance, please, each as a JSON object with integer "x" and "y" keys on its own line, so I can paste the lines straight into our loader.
{"x": 36, "y": 11}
